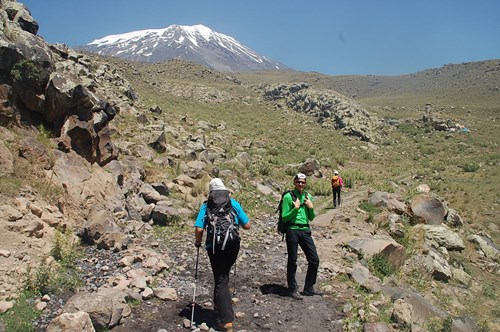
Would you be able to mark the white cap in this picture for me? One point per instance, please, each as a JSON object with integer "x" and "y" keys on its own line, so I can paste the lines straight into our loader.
{"x": 336, "y": 172}
{"x": 216, "y": 184}
{"x": 301, "y": 176}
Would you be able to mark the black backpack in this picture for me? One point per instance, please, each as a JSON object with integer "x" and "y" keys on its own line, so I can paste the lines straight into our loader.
{"x": 282, "y": 226}
{"x": 221, "y": 228}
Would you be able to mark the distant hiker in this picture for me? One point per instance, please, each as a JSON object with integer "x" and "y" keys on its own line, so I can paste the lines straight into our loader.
{"x": 337, "y": 185}
{"x": 221, "y": 216}
{"x": 297, "y": 213}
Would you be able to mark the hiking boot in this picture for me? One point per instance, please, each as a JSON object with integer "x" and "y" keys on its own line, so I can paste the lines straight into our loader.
{"x": 227, "y": 327}
{"x": 295, "y": 295}
{"x": 311, "y": 292}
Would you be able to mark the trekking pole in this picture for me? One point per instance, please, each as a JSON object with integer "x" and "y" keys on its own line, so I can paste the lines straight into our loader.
{"x": 195, "y": 280}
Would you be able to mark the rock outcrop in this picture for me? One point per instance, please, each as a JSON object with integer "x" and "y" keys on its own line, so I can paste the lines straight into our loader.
{"x": 329, "y": 108}
{"x": 54, "y": 87}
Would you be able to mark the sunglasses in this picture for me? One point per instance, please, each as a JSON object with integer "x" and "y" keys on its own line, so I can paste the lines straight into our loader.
{"x": 301, "y": 182}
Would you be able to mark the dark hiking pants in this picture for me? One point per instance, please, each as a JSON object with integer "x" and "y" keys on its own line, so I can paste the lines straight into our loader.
{"x": 221, "y": 262}
{"x": 336, "y": 196}
{"x": 294, "y": 239}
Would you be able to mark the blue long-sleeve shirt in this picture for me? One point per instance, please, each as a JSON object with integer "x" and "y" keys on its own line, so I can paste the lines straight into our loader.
{"x": 241, "y": 216}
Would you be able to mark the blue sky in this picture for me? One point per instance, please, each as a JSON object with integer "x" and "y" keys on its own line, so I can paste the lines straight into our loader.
{"x": 379, "y": 37}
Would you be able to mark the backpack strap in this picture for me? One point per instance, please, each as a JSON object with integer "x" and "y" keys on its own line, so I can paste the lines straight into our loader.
{"x": 294, "y": 197}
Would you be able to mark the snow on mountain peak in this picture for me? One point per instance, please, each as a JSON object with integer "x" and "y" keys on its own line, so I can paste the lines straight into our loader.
{"x": 196, "y": 43}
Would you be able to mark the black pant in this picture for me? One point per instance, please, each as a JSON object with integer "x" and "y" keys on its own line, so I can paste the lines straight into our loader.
{"x": 221, "y": 262}
{"x": 336, "y": 196}
{"x": 294, "y": 239}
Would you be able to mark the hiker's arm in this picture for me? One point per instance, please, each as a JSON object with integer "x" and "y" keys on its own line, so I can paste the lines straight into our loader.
{"x": 199, "y": 225}
{"x": 243, "y": 219}
{"x": 288, "y": 209}
{"x": 198, "y": 236}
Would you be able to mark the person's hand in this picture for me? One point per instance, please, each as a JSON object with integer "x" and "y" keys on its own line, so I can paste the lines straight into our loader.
{"x": 197, "y": 244}
{"x": 308, "y": 202}
{"x": 296, "y": 203}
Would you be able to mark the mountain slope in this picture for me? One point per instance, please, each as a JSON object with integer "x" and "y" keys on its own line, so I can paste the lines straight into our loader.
{"x": 471, "y": 84}
{"x": 196, "y": 43}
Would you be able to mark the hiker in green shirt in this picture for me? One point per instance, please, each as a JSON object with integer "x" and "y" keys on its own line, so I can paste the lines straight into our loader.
{"x": 297, "y": 211}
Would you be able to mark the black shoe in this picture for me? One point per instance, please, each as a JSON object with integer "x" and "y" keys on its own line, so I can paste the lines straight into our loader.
{"x": 295, "y": 295}
{"x": 311, "y": 292}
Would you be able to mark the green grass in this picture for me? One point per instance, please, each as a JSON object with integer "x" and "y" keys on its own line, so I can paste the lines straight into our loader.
{"x": 380, "y": 267}
{"x": 370, "y": 208}
{"x": 321, "y": 187}
{"x": 20, "y": 318}
{"x": 61, "y": 276}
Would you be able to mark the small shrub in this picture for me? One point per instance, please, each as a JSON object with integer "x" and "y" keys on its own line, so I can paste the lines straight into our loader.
{"x": 386, "y": 142}
{"x": 10, "y": 185}
{"x": 496, "y": 310}
{"x": 409, "y": 129}
{"x": 65, "y": 248}
{"x": 470, "y": 167}
{"x": 52, "y": 279}
{"x": 321, "y": 187}
{"x": 340, "y": 160}
{"x": 28, "y": 72}
{"x": 436, "y": 324}
{"x": 21, "y": 316}
{"x": 370, "y": 208}
{"x": 386, "y": 187}
{"x": 380, "y": 267}
{"x": 274, "y": 152}
{"x": 38, "y": 281}
{"x": 265, "y": 170}
{"x": 200, "y": 187}
{"x": 44, "y": 134}
{"x": 276, "y": 160}
{"x": 489, "y": 291}
{"x": 60, "y": 276}
{"x": 351, "y": 177}
{"x": 427, "y": 150}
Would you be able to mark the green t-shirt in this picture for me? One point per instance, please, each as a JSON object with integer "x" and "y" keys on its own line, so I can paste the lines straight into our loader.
{"x": 298, "y": 218}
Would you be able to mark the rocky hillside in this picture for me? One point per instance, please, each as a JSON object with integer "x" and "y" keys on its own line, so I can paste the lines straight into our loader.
{"x": 104, "y": 164}
{"x": 472, "y": 84}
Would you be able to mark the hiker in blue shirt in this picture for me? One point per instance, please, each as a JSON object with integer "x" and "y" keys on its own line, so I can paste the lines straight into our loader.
{"x": 222, "y": 246}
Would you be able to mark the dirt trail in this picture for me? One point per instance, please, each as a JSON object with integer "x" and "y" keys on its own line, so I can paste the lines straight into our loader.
{"x": 259, "y": 285}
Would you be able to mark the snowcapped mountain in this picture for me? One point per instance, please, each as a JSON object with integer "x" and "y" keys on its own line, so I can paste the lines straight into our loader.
{"x": 196, "y": 43}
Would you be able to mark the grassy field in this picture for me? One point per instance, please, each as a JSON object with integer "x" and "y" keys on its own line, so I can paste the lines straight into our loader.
{"x": 264, "y": 144}
{"x": 461, "y": 167}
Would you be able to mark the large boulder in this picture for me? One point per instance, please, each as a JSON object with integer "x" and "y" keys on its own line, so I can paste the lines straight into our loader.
{"x": 388, "y": 248}
{"x": 428, "y": 209}
{"x": 102, "y": 309}
{"x": 444, "y": 237}
{"x": 98, "y": 224}
{"x": 391, "y": 202}
{"x": 68, "y": 322}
